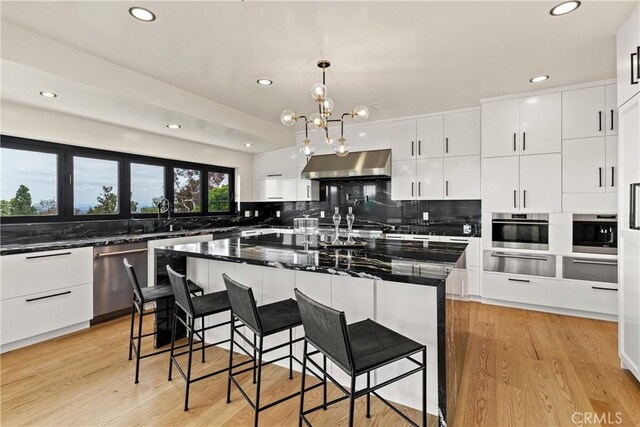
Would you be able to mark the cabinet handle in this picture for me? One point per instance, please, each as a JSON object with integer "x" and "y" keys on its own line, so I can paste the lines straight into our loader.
{"x": 412, "y": 186}
{"x": 515, "y": 196}
{"x": 524, "y": 141}
{"x": 514, "y": 142}
{"x": 594, "y": 262}
{"x": 531, "y": 257}
{"x": 446, "y": 183}
{"x": 634, "y": 79}
{"x": 419, "y": 188}
{"x": 412, "y": 148}
{"x": 600, "y": 177}
{"x": 520, "y": 280}
{"x": 611, "y": 119}
{"x": 48, "y": 296}
{"x": 48, "y": 255}
{"x": 600, "y": 121}
{"x": 604, "y": 289}
{"x": 274, "y": 174}
{"x": 308, "y": 191}
{"x": 446, "y": 145}
{"x": 613, "y": 172}
{"x": 110, "y": 254}
{"x": 637, "y": 63}
{"x": 419, "y": 148}
{"x": 275, "y": 198}
{"x": 459, "y": 240}
{"x": 633, "y": 201}
{"x": 524, "y": 198}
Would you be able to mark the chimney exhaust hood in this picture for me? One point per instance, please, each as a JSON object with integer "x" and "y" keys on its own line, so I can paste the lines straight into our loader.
{"x": 363, "y": 164}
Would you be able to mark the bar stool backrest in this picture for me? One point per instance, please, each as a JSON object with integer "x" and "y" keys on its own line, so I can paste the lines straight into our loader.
{"x": 131, "y": 272}
{"x": 326, "y": 329}
{"x": 243, "y": 304}
{"x": 180, "y": 291}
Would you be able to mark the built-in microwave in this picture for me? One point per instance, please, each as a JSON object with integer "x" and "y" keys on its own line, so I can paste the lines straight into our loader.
{"x": 595, "y": 234}
{"x": 520, "y": 231}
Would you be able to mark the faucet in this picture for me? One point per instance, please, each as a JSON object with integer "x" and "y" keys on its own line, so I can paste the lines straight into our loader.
{"x": 165, "y": 206}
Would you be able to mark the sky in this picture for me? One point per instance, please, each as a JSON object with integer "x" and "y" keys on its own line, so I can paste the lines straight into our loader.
{"x": 35, "y": 170}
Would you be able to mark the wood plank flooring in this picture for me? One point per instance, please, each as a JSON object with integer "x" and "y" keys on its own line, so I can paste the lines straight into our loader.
{"x": 523, "y": 368}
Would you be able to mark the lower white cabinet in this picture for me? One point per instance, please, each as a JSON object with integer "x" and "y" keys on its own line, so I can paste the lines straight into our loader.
{"x": 500, "y": 184}
{"x": 522, "y": 289}
{"x": 541, "y": 183}
{"x": 31, "y": 315}
{"x": 430, "y": 178}
{"x": 403, "y": 179}
{"x": 589, "y": 296}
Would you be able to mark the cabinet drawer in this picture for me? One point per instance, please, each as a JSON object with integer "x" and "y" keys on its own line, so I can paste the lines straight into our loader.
{"x": 27, "y": 316}
{"x": 421, "y": 238}
{"x": 589, "y": 296}
{"x": 524, "y": 289}
{"x": 26, "y": 274}
{"x": 590, "y": 269}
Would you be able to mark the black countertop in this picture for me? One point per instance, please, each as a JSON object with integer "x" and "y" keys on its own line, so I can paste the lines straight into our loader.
{"x": 399, "y": 261}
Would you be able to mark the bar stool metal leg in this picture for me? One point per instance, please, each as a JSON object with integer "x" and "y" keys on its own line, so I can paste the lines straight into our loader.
{"x": 324, "y": 381}
{"x": 304, "y": 374}
{"x": 173, "y": 339}
{"x": 352, "y": 399}
{"x": 254, "y": 357}
{"x": 192, "y": 325}
{"x": 369, "y": 395}
{"x": 424, "y": 387}
{"x": 230, "y": 361}
{"x": 290, "y": 354}
{"x": 139, "y": 350}
{"x": 133, "y": 317}
{"x": 259, "y": 381}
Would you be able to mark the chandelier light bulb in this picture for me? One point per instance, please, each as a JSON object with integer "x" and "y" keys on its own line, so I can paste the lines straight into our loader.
{"x": 307, "y": 148}
{"x": 288, "y": 118}
{"x": 318, "y": 92}
{"x": 317, "y": 121}
{"x": 342, "y": 149}
{"x": 328, "y": 140}
{"x": 360, "y": 112}
{"x": 327, "y": 106}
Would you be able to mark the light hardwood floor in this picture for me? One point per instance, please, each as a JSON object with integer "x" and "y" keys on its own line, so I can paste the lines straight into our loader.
{"x": 523, "y": 368}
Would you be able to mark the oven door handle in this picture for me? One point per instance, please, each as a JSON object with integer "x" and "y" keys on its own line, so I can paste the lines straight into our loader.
{"x": 499, "y": 221}
{"x": 585, "y": 261}
{"x": 530, "y": 257}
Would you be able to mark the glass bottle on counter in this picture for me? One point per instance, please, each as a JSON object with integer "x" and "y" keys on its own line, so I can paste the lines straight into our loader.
{"x": 336, "y": 222}
{"x": 350, "y": 219}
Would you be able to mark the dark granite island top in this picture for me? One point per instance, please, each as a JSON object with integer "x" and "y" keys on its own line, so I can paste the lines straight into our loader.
{"x": 435, "y": 309}
{"x": 421, "y": 263}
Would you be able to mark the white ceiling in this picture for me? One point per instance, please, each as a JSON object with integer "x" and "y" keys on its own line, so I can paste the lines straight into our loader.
{"x": 415, "y": 57}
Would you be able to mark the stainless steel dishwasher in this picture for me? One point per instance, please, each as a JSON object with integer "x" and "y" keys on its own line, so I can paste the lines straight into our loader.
{"x": 112, "y": 292}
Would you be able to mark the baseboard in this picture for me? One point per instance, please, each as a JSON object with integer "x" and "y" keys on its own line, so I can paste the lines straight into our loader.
{"x": 43, "y": 337}
{"x": 552, "y": 310}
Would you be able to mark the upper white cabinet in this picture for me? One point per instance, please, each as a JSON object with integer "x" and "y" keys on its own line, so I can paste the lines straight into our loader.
{"x": 522, "y": 184}
{"x": 306, "y": 189}
{"x": 276, "y": 164}
{"x": 403, "y": 139}
{"x": 529, "y": 125}
{"x": 590, "y": 165}
{"x": 462, "y": 133}
{"x": 430, "y": 136}
{"x": 628, "y": 58}
{"x": 461, "y": 177}
{"x": 430, "y": 177}
{"x": 588, "y": 113}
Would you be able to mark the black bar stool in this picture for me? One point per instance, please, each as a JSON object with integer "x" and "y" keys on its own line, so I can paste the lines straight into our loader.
{"x": 263, "y": 321}
{"x": 357, "y": 349}
{"x": 194, "y": 308}
{"x": 141, "y": 296}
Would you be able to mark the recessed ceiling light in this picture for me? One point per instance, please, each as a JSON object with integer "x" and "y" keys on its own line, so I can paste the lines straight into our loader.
{"x": 47, "y": 94}
{"x": 564, "y": 8}
{"x": 174, "y": 126}
{"x": 538, "y": 79}
{"x": 142, "y": 14}
{"x": 248, "y": 144}
{"x": 265, "y": 82}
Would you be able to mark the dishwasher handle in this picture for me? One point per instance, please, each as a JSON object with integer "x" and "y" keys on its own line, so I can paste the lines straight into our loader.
{"x": 132, "y": 251}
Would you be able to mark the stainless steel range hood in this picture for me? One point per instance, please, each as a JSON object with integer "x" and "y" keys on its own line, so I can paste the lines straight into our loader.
{"x": 364, "y": 164}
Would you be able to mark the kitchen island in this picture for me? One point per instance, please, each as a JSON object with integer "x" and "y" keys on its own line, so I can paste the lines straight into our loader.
{"x": 415, "y": 288}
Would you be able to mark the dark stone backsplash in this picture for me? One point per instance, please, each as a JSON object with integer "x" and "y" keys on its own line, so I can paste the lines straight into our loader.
{"x": 370, "y": 199}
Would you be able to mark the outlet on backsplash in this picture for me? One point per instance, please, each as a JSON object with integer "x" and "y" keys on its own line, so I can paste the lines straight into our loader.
{"x": 425, "y": 216}
{"x": 321, "y": 214}
{"x": 277, "y": 214}
{"x": 256, "y": 213}
{"x": 247, "y": 214}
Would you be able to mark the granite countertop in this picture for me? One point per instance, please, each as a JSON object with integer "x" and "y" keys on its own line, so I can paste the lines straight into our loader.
{"x": 80, "y": 242}
{"x": 398, "y": 261}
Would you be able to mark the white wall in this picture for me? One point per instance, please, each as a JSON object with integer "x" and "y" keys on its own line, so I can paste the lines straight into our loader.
{"x": 28, "y": 122}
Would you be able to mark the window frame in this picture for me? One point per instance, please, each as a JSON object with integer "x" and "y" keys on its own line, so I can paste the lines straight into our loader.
{"x": 65, "y": 180}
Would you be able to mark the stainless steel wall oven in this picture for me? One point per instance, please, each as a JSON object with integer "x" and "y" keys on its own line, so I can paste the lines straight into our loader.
{"x": 595, "y": 234}
{"x": 520, "y": 231}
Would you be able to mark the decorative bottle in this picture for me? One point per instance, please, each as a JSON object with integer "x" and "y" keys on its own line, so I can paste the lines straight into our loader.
{"x": 350, "y": 219}
{"x": 336, "y": 222}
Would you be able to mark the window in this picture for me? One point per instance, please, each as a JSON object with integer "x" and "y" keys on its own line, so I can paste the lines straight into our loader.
{"x": 29, "y": 184}
{"x": 95, "y": 186}
{"x": 218, "y": 196}
{"x": 147, "y": 187}
{"x": 186, "y": 190}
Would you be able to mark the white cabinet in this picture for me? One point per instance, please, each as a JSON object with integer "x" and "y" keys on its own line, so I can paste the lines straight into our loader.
{"x": 589, "y": 296}
{"x": 403, "y": 179}
{"x": 587, "y": 113}
{"x": 500, "y": 127}
{"x": 522, "y": 289}
{"x": 403, "y": 139}
{"x": 462, "y": 133}
{"x": 43, "y": 294}
{"x": 430, "y": 179}
{"x": 522, "y": 184}
{"x": 629, "y": 236}
{"x": 461, "y": 177}
{"x": 530, "y": 125}
{"x": 430, "y": 136}
{"x": 590, "y": 165}
{"x": 628, "y": 58}
{"x": 278, "y": 189}
{"x": 306, "y": 189}
{"x": 611, "y": 109}
{"x": 276, "y": 164}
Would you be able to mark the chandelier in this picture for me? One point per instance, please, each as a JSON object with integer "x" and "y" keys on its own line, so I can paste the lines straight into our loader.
{"x": 320, "y": 121}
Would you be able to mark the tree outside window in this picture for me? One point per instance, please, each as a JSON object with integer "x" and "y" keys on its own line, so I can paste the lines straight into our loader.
{"x": 218, "y": 195}
{"x": 186, "y": 187}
